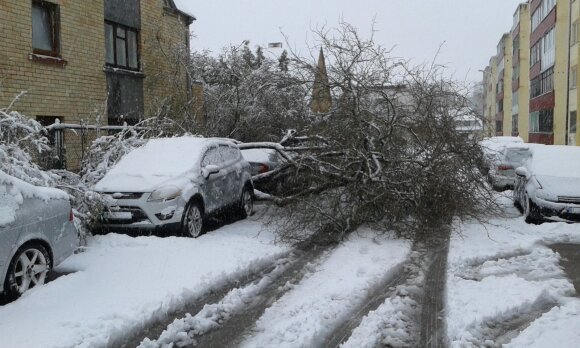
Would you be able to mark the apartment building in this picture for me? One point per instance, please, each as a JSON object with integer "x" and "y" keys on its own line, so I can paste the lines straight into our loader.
{"x": 503, "y": 116}
{"x": 574, "y": 96}
{"x": 91, "y": 61}
{"x": 544, "y": 59}
{"x": 490, "y": 94}
{"x": 521, "y": 72}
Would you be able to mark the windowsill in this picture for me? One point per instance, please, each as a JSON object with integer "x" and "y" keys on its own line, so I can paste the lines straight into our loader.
{"x": 121, "y": 71}
{"x": 58, "y": 61}
{"x": 541, "y": 95}
{"x": 544, "y": 133}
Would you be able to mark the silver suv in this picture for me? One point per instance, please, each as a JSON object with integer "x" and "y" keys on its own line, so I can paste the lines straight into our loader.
{"x": 174, "y": 184}
{"x": 36, "y": 233}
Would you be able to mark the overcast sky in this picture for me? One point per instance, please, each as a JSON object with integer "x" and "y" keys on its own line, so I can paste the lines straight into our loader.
{"x": 468, "y": 29}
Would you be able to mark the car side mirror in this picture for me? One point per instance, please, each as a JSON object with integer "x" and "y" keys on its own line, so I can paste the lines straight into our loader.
{"x": 522, "y": 171}
{"x": 209, "y": 170}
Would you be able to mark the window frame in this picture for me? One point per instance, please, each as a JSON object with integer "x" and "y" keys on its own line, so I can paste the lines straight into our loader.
{"x": 54, "y": 12}
{"x": 126, "y": 29}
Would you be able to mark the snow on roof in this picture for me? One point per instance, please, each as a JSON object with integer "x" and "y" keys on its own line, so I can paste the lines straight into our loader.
{"x": 13, "y": 191}
{"x": 556, "y": 160}
{"x": 185, "y": 6}
{"x": 157, "y": 161}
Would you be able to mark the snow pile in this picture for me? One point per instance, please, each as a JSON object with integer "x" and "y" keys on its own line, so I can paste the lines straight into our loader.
{"x": 182, "y": 331}
{"x": 172, "y": 157}
{"x": 122, "y": 284}
{"x": 13, "y": 191}
{"x": 305, "y": 315}
{"x": 393, "y": 323}
{"x": 502, "y": 269}
{"x": 557, "y": 328}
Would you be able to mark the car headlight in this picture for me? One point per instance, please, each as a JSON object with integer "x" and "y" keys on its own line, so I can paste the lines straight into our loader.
{"x": 165, "y": 193}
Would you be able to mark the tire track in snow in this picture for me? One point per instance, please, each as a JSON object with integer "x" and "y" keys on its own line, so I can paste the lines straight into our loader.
{"x": 155, "y": 327}
{"x": 433, "y": 328}
{"x": 233, "y": 331}
{"x": 378, "y": 296}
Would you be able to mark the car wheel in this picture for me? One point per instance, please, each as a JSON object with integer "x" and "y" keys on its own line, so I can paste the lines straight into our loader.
{"x": 28, "y": 269}
{"x": 246, "y": 205}
{"x": 530, "y": 211}
{"x": 517, "y": 203}
{"x": 193, "y": 221}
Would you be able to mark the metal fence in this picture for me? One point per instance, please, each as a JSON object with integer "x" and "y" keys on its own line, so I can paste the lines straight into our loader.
{"x": 71, "y": 143}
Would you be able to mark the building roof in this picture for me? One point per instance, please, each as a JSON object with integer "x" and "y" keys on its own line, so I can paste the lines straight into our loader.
{"x": 182, "y": 7}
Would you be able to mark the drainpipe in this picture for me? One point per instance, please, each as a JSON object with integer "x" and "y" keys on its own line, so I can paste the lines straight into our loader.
{"x": 566, "y": 136}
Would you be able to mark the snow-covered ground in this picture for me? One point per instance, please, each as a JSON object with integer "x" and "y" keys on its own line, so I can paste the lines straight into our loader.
{"x": 121, "y": 283}
{"x": 502, "y": 272}
{"x": 306, "y": 314}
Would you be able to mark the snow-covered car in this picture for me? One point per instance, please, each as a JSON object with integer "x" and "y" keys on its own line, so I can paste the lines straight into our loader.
{"x": 492, "y": 148}
{"x": 548, "y": 184}
{"x": 37, "y": 232}
{"x": 174, "y": 184}
{"x": 502, "y": 173}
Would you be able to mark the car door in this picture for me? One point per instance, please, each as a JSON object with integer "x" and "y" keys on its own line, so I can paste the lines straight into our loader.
{"x": 214, "y": 190}
{"x": 10, "y": 226}
{"x": 231, "y": 159}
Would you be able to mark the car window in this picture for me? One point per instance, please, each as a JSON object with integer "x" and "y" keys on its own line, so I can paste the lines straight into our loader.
{"x": 517, "y": 156}
{"x": 212, "y": 156}
{"x": 229, "y": 153}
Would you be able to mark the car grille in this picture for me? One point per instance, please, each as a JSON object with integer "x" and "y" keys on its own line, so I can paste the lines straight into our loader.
{"x": 125, "y": 195}
{"x": 137, "y": 214}
{"x": 567, "y": 199}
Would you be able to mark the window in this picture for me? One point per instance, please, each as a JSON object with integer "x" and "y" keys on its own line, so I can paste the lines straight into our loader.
{"x": 542, "y": 12}
{"x": 229, "y": 153}
{"x": 121, "y": 48}
{"x": 516, "y": 45}
{"x": 515, "y": 123}
{"x": 45, "y": 28}
{"x": 536, "y": 53}
{"x": 542, "y": 84}
{"x": 573, "y": 76}
{"x": 574, "y": 33}
{"x": 499, "y": 127}
{"x": 548, "y": 56}
{"x": 542, "y": 121}
{"x": 212, "y": 156}
{"x": 573, "y": 120}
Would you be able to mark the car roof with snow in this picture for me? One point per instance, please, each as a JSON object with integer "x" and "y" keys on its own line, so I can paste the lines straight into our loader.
{"x": 158, "y": 160}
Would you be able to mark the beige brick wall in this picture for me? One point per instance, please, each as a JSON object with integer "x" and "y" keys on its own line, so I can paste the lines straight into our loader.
{"x": 164, "y": 36}
{"x": 76, "y": 91}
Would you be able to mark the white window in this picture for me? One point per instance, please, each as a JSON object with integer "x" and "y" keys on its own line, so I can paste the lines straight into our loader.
{"x": 574, "y": 33}
{"x": 548, "y": 50}
{"x": 573, "y": 77}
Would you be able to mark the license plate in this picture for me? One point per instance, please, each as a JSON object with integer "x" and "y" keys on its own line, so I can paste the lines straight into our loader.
{"x": 574, "y": 210}
{"x": 118, "y": 215}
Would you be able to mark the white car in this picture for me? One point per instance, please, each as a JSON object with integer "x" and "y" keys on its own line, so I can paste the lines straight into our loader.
{"x": 37, "y": 233}
{"x": 502, "y": 173}
{"x": 175, "y": 184}
{"x": 548, "y": 184}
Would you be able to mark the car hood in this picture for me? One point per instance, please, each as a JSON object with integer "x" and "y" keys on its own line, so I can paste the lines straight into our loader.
{"x": 137, "y": 183}
{"x": 560, "y": 186}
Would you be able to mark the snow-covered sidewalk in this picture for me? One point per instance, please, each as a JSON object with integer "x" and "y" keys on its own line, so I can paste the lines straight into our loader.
{"x": 502, "y": 275}
{"x": 121, "y": 283}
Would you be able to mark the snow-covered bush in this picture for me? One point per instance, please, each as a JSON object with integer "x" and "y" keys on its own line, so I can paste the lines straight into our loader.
{"x": 22, "y": 140}
{"x": 106, "y": 151}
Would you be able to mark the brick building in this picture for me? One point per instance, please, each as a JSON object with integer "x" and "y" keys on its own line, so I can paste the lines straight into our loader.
{"x": 97, "y": 61}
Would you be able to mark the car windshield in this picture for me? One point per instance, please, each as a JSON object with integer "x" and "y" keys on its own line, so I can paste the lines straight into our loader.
{"x": 516, "y": 156}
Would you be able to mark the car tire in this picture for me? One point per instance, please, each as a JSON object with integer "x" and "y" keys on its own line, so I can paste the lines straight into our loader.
{"x": 193, "y": 221}
{"x": 29, "y": 268}
{"x": 530, "y": 211}
{"x": 517, "y": 203}
{"x": 246, "y": 204}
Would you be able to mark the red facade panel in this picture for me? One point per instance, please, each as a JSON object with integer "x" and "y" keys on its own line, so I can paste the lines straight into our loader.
{"x": 544, "y": 27}
{"x": 535, "y": 70}
{"x": 534, "y": 5}
{"x": 545, "y": 101}
{"x": 542, "y": 138}
{"x": 515, "y": 85}
{"x": 499, "y": 116}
